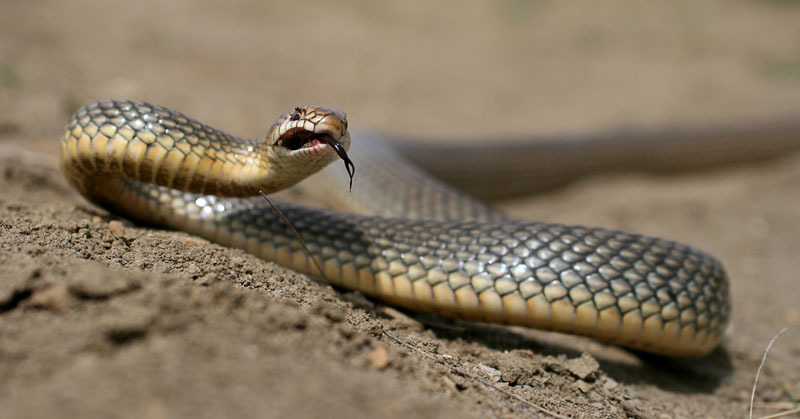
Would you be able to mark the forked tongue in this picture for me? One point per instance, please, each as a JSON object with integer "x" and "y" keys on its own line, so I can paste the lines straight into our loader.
{"x": 348, "y": 164}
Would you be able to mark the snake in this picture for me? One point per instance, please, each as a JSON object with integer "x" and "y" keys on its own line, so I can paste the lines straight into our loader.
{"x": 401, "y": 236}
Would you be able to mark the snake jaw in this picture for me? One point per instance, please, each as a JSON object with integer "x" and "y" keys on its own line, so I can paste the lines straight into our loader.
{"x": 298, "y": 138}
{"x": 320, "y": 145}
{"x": 307, "y": 139}
{"x": 309, "y": 129}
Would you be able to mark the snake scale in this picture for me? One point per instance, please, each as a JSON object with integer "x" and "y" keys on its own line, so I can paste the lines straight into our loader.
{"x": 406, "y": 239}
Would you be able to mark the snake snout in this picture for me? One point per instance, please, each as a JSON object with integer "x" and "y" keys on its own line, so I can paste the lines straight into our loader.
{"x": 309, "y": 126}
{"x": 334, "y": 125}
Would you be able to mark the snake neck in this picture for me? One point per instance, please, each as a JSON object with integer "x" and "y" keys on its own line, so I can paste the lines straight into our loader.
{"x": 138, "y": 141}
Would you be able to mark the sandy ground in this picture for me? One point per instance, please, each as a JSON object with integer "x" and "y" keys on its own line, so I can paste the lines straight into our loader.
{"x": 102, "y": 319}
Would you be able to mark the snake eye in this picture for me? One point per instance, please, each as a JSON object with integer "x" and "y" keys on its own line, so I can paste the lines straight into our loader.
{"x": 296, "y": 117}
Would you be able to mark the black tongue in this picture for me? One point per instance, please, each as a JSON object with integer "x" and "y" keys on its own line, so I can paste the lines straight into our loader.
{"x": 348, "y": 164}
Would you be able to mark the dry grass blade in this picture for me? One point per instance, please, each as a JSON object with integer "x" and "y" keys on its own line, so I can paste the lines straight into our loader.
{"x": 295, "y": 232}
{"x": 782, "y": 414}
{"x": 758, "y": 373}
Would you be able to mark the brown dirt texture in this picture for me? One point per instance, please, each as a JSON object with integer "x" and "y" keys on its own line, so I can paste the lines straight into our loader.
{"x": 100, "y": 317}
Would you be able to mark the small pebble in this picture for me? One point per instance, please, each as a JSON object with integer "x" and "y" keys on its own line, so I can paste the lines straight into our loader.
{"x": 583, "y": 386}
{"x": 379, "y": 358}
{"x": 55, "y": 297}
{"x": 116, "y": 228}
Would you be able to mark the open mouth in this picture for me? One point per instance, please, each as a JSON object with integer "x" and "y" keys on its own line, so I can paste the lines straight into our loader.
{"x": 297, "y": 138}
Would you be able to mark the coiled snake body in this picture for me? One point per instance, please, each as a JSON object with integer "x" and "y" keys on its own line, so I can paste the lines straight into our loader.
{"x": 429, "y": 248}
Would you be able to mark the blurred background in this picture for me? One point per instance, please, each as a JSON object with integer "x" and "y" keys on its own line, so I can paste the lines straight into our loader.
{"x": 447, "y": 69}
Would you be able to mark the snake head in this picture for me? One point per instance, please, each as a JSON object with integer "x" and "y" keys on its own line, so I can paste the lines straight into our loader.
{"x": 307, "y": 139}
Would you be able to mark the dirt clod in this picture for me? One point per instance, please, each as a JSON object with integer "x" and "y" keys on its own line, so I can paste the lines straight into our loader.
{"x": 584, "y": 367}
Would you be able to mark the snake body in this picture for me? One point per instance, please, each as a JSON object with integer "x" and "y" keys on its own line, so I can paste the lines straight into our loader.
{"x": 447, "y": 254}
